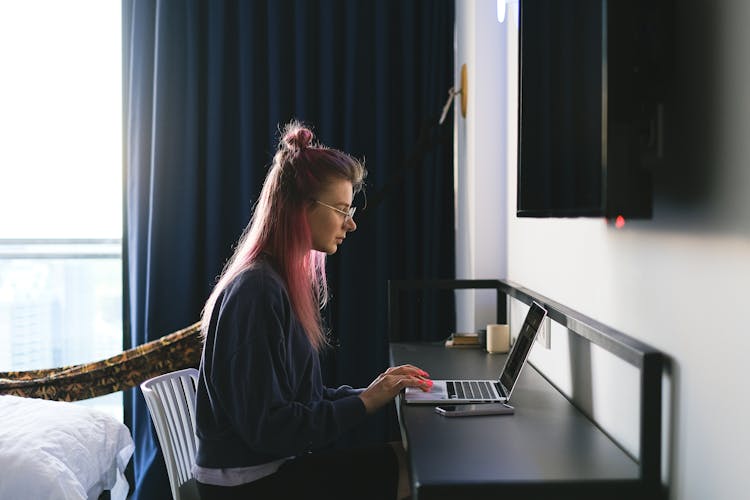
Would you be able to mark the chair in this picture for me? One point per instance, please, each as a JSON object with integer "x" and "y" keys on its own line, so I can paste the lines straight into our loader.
{"x": 171, "y": 402}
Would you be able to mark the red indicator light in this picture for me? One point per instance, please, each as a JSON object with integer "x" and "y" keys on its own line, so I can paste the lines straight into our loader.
{"x": 619, "y": 221}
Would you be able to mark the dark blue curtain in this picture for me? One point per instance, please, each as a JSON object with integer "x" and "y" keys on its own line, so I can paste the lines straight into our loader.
{"x": 206, "y": 85}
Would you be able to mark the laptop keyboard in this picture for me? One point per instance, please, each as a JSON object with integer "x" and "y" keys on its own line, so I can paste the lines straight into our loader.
{"x": 469, "y": 389}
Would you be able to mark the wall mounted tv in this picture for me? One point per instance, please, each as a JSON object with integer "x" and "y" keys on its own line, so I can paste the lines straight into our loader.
{"x": 592, "y": 79}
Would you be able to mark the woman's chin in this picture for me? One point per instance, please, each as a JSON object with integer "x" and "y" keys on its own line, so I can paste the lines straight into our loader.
{"x": 328, "y": 250}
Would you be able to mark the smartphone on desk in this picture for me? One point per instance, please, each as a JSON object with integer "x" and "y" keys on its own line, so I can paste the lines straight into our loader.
{"x": 470, "y": 410}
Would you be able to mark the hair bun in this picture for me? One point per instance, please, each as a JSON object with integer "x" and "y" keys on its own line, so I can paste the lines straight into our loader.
{"x": 297, "y": 136}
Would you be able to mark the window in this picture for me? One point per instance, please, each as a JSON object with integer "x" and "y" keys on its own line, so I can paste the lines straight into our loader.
{"x": 60, "y": 185}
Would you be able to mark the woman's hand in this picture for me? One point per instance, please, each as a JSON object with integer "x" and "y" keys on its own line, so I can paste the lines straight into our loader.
{"x": 384, "y": 388}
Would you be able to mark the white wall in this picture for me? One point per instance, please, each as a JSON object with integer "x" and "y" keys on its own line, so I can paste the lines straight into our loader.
{"x": 481, "y": 214}
{"x": 678, "y": 281}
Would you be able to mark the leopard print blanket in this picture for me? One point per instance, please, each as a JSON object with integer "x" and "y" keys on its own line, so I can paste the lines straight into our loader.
{"x": 181, "y": 349}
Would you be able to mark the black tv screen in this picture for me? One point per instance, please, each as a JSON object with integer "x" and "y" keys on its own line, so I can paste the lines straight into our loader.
{"x": 589, "y": 107}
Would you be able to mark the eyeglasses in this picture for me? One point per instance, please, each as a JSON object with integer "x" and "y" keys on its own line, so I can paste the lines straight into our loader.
{"x": 348, "y": 214}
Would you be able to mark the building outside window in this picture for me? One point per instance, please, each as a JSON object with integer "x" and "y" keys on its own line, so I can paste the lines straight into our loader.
{"x": 61, "y": 185}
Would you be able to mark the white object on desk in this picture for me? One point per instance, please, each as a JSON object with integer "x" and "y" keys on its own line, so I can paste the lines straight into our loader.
{"x": 498, "y": 338}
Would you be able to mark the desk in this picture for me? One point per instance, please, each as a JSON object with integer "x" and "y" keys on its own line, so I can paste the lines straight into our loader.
{"x": 546, "y": 450}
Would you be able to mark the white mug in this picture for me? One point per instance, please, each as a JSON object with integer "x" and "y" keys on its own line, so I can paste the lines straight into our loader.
{"x": 498, "y": 338}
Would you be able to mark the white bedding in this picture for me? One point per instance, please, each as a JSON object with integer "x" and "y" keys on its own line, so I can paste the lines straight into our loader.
{"x": 61, "y": 451}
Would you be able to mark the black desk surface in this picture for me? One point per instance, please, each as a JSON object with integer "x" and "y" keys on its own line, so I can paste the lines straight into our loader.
{"x": 547, "y": 449}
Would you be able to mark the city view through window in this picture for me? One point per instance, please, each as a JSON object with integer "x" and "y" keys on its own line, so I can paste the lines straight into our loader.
{"x": 61, "y": 185}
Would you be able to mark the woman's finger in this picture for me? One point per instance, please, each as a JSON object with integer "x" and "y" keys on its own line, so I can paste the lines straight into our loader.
{"x": 408, "y": 381}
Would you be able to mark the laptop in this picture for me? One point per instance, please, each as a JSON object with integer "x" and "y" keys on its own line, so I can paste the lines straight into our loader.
{"x": 485, "y": 391}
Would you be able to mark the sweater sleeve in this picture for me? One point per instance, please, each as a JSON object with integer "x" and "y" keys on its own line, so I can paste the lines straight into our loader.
{"x": 341, "y": 392}
{"x": 259, "y": 383}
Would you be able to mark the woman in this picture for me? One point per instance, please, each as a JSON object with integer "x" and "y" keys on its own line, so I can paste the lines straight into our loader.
{"x": 262, "y": 409}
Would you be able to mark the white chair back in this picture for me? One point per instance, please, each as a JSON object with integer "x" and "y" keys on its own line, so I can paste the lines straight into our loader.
{"x": 171, "y": 402}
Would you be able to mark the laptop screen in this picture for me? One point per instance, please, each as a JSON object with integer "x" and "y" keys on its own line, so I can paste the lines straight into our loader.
{"x": 521, "y": 348}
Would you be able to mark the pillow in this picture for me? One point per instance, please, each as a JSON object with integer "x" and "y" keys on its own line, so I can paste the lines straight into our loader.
{"x": 59, "y": 450}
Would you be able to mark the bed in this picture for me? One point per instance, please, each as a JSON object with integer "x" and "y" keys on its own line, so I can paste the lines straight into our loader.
{"x": 51, "y": 448}
{"x": 60, "y": 450}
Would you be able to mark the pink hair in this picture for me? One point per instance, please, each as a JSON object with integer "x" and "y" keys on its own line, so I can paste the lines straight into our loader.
{"x": 278, "y": 229}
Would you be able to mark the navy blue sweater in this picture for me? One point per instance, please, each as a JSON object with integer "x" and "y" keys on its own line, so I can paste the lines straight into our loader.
{"x": 260, "y": 393}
